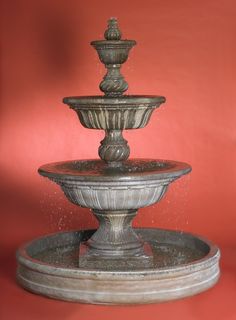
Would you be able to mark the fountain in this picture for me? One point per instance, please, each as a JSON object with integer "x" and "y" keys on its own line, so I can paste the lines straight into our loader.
{"x": 116, "y": 264}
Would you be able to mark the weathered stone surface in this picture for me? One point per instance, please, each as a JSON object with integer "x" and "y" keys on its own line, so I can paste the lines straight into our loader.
{"x": 115, "y": 264}
{"x": 183, "y": 265}
{"x": 126, "y": 112}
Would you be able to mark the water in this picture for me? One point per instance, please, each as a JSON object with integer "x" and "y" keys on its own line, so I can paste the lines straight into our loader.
{"x": 174, "y": 250}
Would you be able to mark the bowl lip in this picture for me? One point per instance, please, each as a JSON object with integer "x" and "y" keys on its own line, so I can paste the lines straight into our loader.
{"x": 55, "y": 171}
{"x": 124, "y": 43}
{"x": 123, "y": 100}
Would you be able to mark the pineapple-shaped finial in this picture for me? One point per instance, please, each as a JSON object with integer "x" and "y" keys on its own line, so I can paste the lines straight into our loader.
{"x": 112, "y": 32}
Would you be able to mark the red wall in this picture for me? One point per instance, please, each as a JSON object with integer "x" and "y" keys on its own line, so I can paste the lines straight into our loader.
{"x": 186, "y": 51}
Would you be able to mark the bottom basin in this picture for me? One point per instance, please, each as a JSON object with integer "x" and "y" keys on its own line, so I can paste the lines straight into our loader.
{"x": 183, "y": 265}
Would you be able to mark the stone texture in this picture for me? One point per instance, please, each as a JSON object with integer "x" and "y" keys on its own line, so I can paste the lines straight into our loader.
{"x": 188, "y": 272}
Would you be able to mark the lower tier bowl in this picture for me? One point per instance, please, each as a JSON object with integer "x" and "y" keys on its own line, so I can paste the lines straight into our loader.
{"x": 183, "y": 265}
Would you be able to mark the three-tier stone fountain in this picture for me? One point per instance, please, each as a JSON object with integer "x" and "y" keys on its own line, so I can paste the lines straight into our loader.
{"x": 116, "y": 264}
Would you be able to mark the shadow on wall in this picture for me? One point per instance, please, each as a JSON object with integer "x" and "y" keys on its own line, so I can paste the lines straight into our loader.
{"x": 40, "y": 47}
{"x": 58, "y": 39}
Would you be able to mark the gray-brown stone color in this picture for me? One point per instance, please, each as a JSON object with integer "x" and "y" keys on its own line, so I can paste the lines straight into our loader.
{"x": 116, "y": 264}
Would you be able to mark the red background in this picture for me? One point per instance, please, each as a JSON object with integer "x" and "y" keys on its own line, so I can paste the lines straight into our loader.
{"x": 186, "y": 51}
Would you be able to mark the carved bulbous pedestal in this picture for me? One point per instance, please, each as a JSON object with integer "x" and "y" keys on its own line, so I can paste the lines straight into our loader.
{"x": 116, "y": 264}
{"x": 114, "y": 147}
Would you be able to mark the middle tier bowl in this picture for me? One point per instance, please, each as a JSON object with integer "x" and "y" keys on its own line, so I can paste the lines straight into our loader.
{"x": 94, "y": 184}
{"x": 117, "y": 113}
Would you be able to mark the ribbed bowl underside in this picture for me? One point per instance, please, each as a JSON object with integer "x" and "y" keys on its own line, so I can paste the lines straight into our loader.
{"x": 132, "y": 185}
{"x": 118, "y": 113}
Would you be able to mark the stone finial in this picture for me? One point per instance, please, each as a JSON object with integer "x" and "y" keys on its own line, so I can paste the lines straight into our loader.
{"x": 113, "y": 32}
{"x": 113, "y": 52}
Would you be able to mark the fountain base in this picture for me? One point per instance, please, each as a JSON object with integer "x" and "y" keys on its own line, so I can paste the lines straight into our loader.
{"x": 182, "y": 265}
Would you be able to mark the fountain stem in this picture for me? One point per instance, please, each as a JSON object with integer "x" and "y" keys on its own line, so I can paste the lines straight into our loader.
{"x": 115, "y": 236}
{"x": 114, "y": 148}
{"x": 113, "y": 83}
